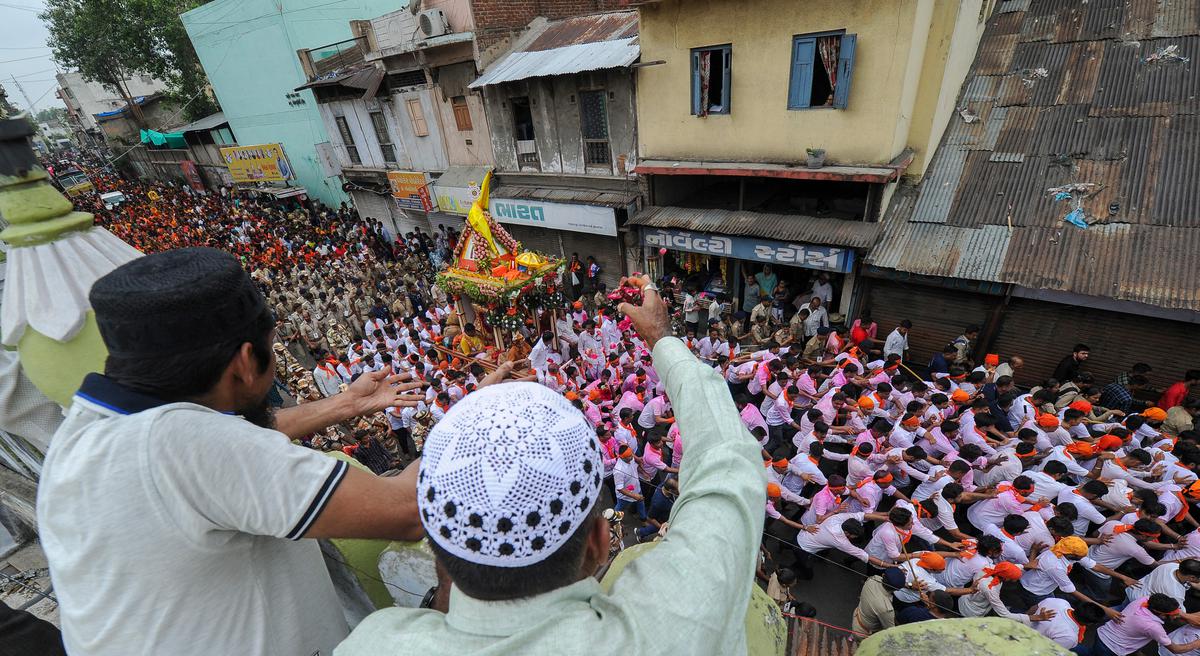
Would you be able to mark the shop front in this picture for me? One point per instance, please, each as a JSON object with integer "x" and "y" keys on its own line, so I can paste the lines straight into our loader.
{"x": 728, "y": 265}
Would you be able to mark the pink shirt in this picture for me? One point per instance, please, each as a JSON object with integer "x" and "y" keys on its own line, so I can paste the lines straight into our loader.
{"x": 823, "y": 502}
{"x": 628, "y": 400}
{"x": 1138, "y": 626}
{"x": 652, "y": 462}
{"x": 592, "y": 413}
{"x": 808, "y": 386}
{"x": 752, "y": 418}
{"x": 676, "y": 446}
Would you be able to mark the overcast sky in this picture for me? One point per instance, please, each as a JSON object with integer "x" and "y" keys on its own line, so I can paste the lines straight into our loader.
{"x": 23, "y": 53}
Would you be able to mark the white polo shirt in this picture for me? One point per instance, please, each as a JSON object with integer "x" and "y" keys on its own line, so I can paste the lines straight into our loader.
{"x": 171, "y": 526}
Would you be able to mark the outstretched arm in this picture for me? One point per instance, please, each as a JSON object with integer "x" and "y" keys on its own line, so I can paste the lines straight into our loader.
{"x": 374, "y": 391}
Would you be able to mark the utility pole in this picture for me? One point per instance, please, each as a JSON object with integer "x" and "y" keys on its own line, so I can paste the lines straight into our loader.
{"x": 32, "y": 112}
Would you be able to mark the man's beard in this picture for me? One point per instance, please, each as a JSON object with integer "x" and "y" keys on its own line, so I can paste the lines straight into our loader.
{"x": 261, "y": 414}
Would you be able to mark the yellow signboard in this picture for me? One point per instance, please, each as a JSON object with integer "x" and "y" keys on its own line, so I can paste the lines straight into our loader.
{"x": 263, "y": 163}
{"x": 410, "y": 190}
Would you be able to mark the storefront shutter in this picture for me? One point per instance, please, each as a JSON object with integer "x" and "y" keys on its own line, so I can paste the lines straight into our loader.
{"x": 1042, "y": 333}
{"x": 938, "y": 315}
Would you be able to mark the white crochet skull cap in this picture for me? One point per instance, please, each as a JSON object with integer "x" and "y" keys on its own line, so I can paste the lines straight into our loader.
{"x": 508, "y": 475}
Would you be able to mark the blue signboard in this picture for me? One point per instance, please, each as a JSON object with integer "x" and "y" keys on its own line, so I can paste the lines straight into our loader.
{"x": 808, "y": 256}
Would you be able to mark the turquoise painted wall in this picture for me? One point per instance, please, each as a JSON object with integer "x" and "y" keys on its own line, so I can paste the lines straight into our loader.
{"x": 248, "y": 49}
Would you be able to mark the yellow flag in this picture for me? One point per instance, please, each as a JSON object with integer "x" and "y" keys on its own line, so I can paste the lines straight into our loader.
{"x": 476, "y": 218}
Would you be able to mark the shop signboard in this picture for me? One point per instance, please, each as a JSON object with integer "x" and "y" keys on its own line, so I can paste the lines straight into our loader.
{"x": 592, "y": 219}
{"x": 808, "y": 256}
{"x": 261, "y": 163}
{"x": 410, "y": 189}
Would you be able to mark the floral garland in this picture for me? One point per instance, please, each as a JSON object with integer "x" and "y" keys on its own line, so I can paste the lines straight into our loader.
{"x": 506, "y": 318}
{"x": 481, "y": 289}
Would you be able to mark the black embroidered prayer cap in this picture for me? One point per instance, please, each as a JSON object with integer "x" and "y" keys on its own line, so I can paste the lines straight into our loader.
{"x": 176, "y": 301}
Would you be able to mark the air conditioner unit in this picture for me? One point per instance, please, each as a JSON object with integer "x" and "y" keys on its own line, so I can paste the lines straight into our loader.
{"x": 434, "y": 23}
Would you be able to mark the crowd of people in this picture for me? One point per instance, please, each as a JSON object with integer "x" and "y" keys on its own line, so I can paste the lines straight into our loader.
{"x": 962, "y": 494}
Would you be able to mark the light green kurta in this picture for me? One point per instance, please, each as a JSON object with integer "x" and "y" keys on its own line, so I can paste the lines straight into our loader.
{"x": 687, "y": 596}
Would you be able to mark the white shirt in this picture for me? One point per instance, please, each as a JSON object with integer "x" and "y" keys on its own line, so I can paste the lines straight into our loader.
{"x": 1181, "y": 636}
{"x": 1061, "y": 629}
{"x": 180, "y": 497}
{"x": 1051, "y": 574}
{"x": 945, "y": 517}
{"x": 625, "y": 478}
{"x": 1161, "y": 579}
{"x": 824, "y": 291}
{"x": 1121, "y": 548}
{"x": 691, "y": 313}
{"x": 830, "y": 536}
{"x": 1088, "y": 513}
{"x": 985, "y": 600}
{"x": 654, "y": 409}
{"x": 888, "y": 541}
{"x": 895, "y": 344}
{"x": 914, "y": 572}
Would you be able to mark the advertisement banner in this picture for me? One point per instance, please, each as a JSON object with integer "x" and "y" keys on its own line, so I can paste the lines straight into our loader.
{"x": 192, "y": 174}
{"x": 456, "y": 190}
{"x": 808, "y": 256}
{"x": 594, "y": 219}
{"x": 262, "y": 163}
{"x": 411, "y": 190}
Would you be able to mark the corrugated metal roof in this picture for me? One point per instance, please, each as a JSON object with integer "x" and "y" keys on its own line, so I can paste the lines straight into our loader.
{"x": 574, "y": 45}
{"x": 1077, "y": 99}
{"x": 586, "y": 29}
{"x": 783, "y": 227}
{"x": 207, "y": 123}
{"x": 581, "y": 196}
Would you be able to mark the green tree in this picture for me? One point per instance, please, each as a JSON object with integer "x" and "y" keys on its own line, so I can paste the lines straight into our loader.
{"x": 52, "y": 114}
{"x": 110, "y": 40}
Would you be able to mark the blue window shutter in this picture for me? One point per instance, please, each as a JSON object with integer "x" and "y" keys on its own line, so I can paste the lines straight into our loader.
{"x": 695, "y": 83}
{"x": 727, "y": 95}
{"x": 845, "y": 71}
{"x": 800, "y": 86}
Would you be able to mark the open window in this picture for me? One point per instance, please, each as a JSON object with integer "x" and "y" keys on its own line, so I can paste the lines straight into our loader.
{"x": 711, "y": 69}
{"x": 822, "y": 69}
{"x": 523, "y": 131}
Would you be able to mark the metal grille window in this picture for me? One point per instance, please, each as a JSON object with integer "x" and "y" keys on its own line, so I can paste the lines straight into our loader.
{"x": 347, "y": 140}
{"x": 385, "y": 140}
{"x": 593, "y": 115}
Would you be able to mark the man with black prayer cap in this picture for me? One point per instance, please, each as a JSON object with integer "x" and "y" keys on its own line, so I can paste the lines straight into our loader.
{"x": 172, "y": 504}
{"x": 507, "y": 492}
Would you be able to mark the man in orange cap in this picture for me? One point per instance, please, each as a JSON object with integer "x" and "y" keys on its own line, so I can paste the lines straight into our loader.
{"x": 919, "y": 575}
{"x": 1154, "y": 414}
{"x": 1050, "y": 431}
{"x": 790, "y": 484}
{"x": 986, "y": 598}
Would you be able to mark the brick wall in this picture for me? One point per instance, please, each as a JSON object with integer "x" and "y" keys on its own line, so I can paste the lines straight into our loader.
{"x": 497, "y": 21}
